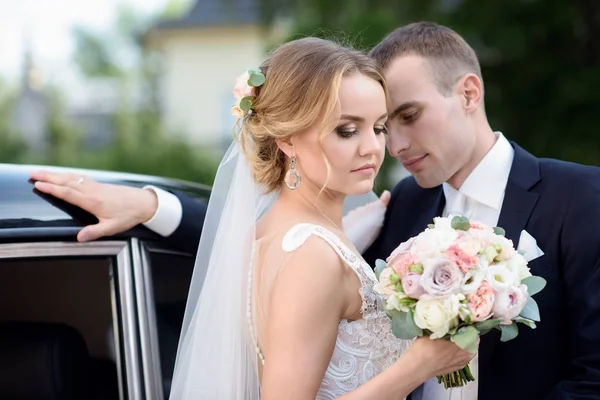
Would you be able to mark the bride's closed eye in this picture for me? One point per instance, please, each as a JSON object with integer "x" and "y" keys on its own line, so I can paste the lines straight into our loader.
{"x": 349, "y": 132}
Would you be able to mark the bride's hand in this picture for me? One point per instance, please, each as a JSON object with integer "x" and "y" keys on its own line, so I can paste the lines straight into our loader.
{"x": 362, "y": 225}
{"x": 440, "y": 356}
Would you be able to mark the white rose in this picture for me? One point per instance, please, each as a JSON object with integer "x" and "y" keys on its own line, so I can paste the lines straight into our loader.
{"x": 510, "y": 302}
{"x": 394, "y": 302}
{"x": 470, "y": 247}
{"x": 506, "y": 249}
{"x": 442, "y": 223}
{"x": 404, "y": 246}
{"x": 500, "y": 277}
{"x": 437, "y": 315}
{"x": 432, "y": 242}
{"x": 517, "y": 264}
{"x": 385, "y": 285}
{"x": 472, "y": 281}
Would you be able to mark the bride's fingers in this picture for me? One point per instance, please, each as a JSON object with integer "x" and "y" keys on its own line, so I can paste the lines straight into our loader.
{"x": 385, "y": 197}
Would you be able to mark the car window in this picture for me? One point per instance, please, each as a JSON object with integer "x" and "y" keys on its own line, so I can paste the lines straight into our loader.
{"x": 56, "y": 329}
{"x": 171, "y": 277}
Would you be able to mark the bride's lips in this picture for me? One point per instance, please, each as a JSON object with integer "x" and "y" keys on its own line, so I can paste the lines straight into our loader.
{"x": 366, "y": 169}
{"x": 413, "y": 163}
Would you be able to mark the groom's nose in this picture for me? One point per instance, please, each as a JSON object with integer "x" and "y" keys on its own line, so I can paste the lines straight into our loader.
{"x": 396, "y": 143}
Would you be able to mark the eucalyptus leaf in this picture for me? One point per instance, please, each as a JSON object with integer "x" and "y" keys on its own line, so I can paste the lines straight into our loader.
{"x": 254, "y": 71}
{"x": 509, "y": 332}
{"x": 466, "y": 338}
{"x": 460, "y": 223}
{"x": 246, "y": 103}
{"x": 380, "y": 265}
{"x": 485, "y": 326}
{"x": 531, "y": 310}
{"x": 535, "y": 284}
{"x": 404, "y": 327}
{"x": 526, "y": 321}
{"x": 256, "y": 79}
{"x": 499, "y": 231}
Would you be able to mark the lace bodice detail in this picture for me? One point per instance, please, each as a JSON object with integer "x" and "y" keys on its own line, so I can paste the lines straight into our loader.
{"x": 364, "y": 347}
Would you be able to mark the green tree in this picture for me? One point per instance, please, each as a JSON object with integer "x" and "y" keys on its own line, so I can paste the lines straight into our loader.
{"x": 141, "y": 142}
{"x": 12, "y": 149}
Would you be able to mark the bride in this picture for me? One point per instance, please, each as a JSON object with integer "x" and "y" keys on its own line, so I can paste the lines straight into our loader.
{"x": 281, "y": 304}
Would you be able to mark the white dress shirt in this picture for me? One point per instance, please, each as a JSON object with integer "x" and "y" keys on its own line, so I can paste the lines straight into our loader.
{"x": 480, "y": 199}
{"x": 168, "y": 214}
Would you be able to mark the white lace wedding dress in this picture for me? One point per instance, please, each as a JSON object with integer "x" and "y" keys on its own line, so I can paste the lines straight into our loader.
{"x": 364, "y": 347}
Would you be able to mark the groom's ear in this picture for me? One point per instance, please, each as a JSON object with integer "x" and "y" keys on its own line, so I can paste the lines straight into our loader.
{"x": 471, "y": 92}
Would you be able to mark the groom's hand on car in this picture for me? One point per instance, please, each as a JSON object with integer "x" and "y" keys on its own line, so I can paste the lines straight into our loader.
{"x": 117, "y": 207}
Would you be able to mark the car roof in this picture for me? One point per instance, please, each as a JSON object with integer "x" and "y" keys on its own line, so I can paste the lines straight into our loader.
{"x": 25, "y": 213}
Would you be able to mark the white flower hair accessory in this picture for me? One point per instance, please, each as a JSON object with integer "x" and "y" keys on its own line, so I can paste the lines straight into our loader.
{"x": 244, "y": 91}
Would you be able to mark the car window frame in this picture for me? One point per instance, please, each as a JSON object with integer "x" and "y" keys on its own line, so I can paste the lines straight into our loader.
{"x": 123, "y": 298}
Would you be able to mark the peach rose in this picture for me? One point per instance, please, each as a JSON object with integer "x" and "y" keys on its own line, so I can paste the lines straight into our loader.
{"x": 481, "y": 302}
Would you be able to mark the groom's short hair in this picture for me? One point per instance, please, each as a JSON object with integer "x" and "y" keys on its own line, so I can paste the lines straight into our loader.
{"x": 449, "y": 55}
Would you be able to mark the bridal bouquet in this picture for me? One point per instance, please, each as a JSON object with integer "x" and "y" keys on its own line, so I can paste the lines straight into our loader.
{"x": 456, "y": 280}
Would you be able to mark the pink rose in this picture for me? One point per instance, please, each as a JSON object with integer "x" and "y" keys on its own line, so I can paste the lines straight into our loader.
{"x": 478, "y": 225}
{"x": 457, "y": 254}
{"x": 441, "y": 277}
{"x": 241, "y": 88}
{"x": 510, "y": 302}
{"x": 402, "y": 262}
{"x": 481, "y": 302}
{"x": 411, "y": 284}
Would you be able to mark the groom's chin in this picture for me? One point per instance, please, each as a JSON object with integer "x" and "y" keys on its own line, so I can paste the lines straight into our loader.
{"x": 426, "y": 182}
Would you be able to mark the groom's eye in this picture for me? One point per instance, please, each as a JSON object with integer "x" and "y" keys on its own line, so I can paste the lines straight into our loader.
{"x": 409, "y": 117}
{"x": 380, "y": 129}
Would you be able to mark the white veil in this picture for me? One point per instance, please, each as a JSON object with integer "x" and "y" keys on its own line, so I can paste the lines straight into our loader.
{"x": 216, "y": 357}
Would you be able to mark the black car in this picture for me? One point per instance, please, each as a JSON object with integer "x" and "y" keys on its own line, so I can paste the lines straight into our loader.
{"x": 97, "y": 320}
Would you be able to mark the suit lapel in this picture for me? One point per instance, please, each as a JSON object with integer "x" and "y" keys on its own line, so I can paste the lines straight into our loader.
{"x": 517, "y": 207}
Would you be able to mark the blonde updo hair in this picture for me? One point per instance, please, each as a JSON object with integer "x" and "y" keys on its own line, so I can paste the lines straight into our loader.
{"x": 303, "y": 78}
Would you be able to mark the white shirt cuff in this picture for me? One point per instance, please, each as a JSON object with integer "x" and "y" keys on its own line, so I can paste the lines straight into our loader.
{"x": 168, "y": 214}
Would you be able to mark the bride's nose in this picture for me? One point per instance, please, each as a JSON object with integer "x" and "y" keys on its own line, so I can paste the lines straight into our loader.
{"x": 370, "y": 143}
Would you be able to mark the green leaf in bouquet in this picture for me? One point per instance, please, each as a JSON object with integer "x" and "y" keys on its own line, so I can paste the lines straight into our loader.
{"x": 509, "y": 332}
{"x": 404, "y": 327}
{"x": 460, "y": 223}
{"x": 430, "y": 226}
{"x": 394, "y": 278}
{"x": 485, "y": 326}
{"x": 526, "y": 321}
{"x": 466, "y": 338}
{"x": 499, "y": 231}
{"x": 531, "y": 310}
{"x": 535, "y": 284}
{"x": 380, "y": 265}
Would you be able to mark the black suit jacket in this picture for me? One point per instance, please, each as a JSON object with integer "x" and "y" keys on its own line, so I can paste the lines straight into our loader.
{"x": 187, "y": 235}
{"x": 558, "y": 203}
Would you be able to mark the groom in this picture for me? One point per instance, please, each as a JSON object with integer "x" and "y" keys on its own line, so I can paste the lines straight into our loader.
{"x": 439, "y": 131}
